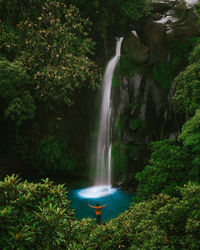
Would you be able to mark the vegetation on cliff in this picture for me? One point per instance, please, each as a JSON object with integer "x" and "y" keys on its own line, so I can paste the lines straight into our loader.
{"x": 114, "y": 16}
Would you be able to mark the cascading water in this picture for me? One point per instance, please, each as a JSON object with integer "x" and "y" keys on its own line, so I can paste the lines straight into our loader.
{"x": 104, "y": 144}
{"x": 102, "y": 181}
{"x": 102, "y": 191}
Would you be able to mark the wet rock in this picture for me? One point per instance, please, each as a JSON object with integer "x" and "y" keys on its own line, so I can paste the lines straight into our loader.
{"x": 162, "y": 5}
{"x": 157, "y": 16}
{"x": 155, "y": 37}
{"x": 140, "y": 95}
{"x": 124, "y": 100}
{"x": 124, "y": 97}
{"x": 134, "y": 84}
{"x": 171, "y": 12}
{"x": 127, "y": 137}
{"x": 181, "y": 19}
{"x": 188, "y": 25}
{"x": 134, "y": 49}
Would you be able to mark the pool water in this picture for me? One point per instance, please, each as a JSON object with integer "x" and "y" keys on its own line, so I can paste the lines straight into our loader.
{"x": 118, "y": 201}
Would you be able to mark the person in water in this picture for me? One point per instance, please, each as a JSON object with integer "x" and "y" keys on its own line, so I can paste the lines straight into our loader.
{"x": 98, "y": 211}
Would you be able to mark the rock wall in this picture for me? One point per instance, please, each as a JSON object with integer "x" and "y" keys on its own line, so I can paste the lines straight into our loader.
{"x": 149, "y": 62}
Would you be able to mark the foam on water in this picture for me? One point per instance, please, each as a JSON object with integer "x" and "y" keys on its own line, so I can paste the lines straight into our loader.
{"x": 116, "y": 199}
{"x": 96, "y": 191}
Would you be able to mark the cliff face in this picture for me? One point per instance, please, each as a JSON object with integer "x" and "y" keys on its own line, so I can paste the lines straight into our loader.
{"x": 152, "y": 55}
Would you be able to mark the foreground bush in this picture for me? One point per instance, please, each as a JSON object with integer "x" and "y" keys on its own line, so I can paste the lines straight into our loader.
{"x": 34, "y": 215}
{"x": 161, "y": 223}
{"x": 38, "y": 216}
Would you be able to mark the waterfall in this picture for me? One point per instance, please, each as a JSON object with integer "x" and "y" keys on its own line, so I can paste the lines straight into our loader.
{"x": 104, "y": 141}
{"x": 102, "y": 182}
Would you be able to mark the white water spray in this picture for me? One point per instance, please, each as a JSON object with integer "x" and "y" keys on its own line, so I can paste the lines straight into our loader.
{"x": 104, "y": 143}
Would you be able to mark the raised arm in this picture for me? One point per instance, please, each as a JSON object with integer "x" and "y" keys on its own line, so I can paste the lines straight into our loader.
{"x": 90, "y": 206}
{"x": 104, "y": 205}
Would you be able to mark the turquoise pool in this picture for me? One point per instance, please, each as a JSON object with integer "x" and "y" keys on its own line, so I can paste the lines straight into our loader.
{"x": 118, "y": 201}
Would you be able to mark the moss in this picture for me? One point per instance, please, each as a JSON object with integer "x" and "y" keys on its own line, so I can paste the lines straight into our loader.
{"x": 138, "y": 125}
{"x": 115, "y": 81}
{"x": 181, "y": 10}
{"x": 163, "y": 75}
{"x": 165, "y": 72}
{"x": 119, "y": 159}
{"x": 126, "y": 66}
{"x": 181, "y": 49}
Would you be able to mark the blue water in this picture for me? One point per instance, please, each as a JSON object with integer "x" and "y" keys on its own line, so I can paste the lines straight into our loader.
{"x": 118, "y": 202}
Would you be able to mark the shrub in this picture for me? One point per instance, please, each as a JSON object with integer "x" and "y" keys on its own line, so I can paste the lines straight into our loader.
{"x": 169, "y": 166}
{"x": 161, "y": 223}
{"x": 53, "y": 156}
{"x": 38, "y": 216}
{"x": 15, "y": 91}
{"x": 34, "y": 215}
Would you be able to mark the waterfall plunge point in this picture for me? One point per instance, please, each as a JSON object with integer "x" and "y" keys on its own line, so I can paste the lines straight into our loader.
{"x": 96, "y": 191}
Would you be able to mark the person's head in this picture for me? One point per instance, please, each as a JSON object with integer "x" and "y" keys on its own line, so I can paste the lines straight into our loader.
{"x": 97, "y": 204}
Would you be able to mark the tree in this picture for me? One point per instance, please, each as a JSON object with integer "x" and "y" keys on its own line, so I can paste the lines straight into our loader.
{"x": 56, "y": 52}
{"x": 114, "y": 16}
{"x": 46, "y": 61}
{"x": 190, "y": 137}
{"x": 187, "y": 96}
{"x": 15, "y": 91}
{"x": 169, "y": 167}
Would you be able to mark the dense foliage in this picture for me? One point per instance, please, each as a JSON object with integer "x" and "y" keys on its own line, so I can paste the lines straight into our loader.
{"x": 45, "y": 63}
{"x": 169, "y": 166}
{"x": 165, "y": 72}
{"x": 60, "y": 63}
{"x": 33, "y": 215}
{"x": 187, "y": 95}
{"x": 39, "y": 216}
{"x": 114, "y": 16}
{"x": 186, "y": 98}
{"x": 190, "y": 139}
{"x": 15, "y": 88}
{"x": 161, "y": 223}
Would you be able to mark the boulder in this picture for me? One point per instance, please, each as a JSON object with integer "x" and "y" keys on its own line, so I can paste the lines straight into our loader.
{"x": 134, "y": 49}
{"x": 187, "y": 25}
{"x": 181, "y": 19}
{"x": 155, "y": 37}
